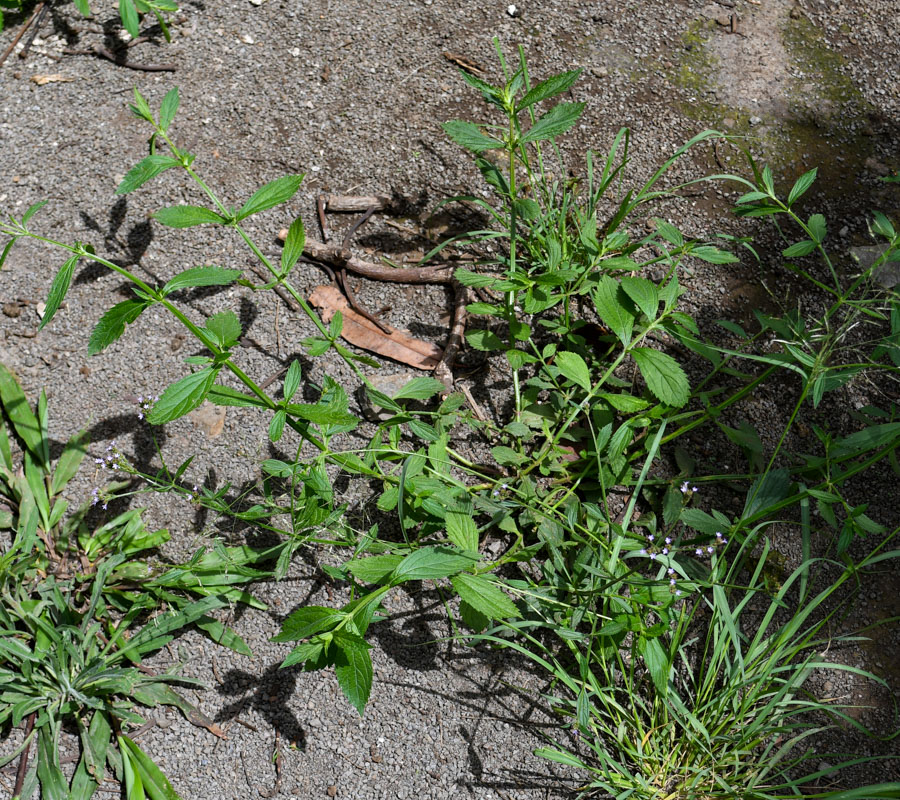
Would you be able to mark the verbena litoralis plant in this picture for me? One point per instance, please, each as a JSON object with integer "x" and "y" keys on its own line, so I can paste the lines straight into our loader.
{"x": 595, "y": 590}
{"x": 582, "y": 427}
{"x": 81, "y": 607}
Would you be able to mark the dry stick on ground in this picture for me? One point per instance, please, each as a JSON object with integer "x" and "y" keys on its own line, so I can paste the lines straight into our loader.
{"x": 329, "y": 254}
{"x": 101, "y": 51}
{"x": 353, "y": 202}
{"x": 342, "y": 281}
{"x": 23, "y": 759}
{"x": 23, "y": 53}
{"x": 38, "y": 9}
{"x": 443, "y": 371}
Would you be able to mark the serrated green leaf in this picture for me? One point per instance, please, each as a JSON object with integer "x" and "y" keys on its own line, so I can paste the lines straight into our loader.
{"x": 469, "y": 136}
{"x": 129, "y": 16}
{"x": 308, "y": 621}
{"x": 353, "y": 668}
{"x": 225, "y": 328}
{"x": 58, "y": 290}
{"x": 751, "y": 197}
{"x": 276, "y": 426}
{"x": 552, "y": 86}
{"x": 144, "y": 171}
{"x": 468, "y": 278}
{"x": 482, "y": 86}
{"x": 201, "y": 276}
{"x": 767, "y": 490}
{"x": 766, "y": 180}
{"x": 801, "y": 185}
{"x": 869, "y": 438}
{"x": 293, "y": 246}
{"x": 573, "y": 367}
{"x": 626, "y": 403}
{"x": 881, "y": 225}
{"x": 817, "y": 227}
{"x": 420, "y": 389}
{"x": 226, "y": 396}
{"x": 484, "y": 596}
{"x": 292, "y": 379}
{"x": 112, "y": 324}
{"x": 272, "y": 194}
{"x": 713, "y": 255}
{"x": 374, "y": 569}
{"x": 663, "y": 375}
{"x": 614, "y": 313}
{"x": 800, "y": 249}
{"x": 493, "y": 176}
{"x": 643, "y": 293}
{"x": 141, "y": 108}
{"x": 32, "y": 210}
{"x": 554, "y": 123}
{"x": 462, "y": 530}
{"x": 322, "y": 413}
{"x": 473, "y": 617}
{"x": 431, "y": 563}
{"x": 302, "y": 653}
{"x": 187, "y": 216}
{"x": 669, "y": 232}
{"x": 484, "y": 340}
{"x": 6, "y": 248}
{"x": 168, "y": 109}
{"x": 183, "y": 396}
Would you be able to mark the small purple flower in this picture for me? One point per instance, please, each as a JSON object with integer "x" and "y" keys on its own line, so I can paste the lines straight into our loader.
{"x": 699, "y": 551}
{"x": 694, "y": 490}
{"x": 665, "y": 551}
{"x": 672, "y": 582}
{"x": 653, "y": 556}
{"x": 643, "y": 551}
{"x": 145, "y": 404}
{"x": 668, "y": 540}
{"x": 685, "y": 487}
{"x": 677, "y": 592}
{"x": 651, "y": 537}
{"x": 710, "y": 549}
{"x": 671, "y": 570}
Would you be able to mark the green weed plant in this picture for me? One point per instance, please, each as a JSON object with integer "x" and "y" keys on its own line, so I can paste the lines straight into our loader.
{"x": 638, "y": 614}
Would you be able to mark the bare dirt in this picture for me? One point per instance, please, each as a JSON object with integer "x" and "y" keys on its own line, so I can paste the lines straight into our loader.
{"x": 352, "y": 94}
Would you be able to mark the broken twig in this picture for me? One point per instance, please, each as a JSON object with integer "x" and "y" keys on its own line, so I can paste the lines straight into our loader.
{"x": 444, "y": 370}
{"x": 37, "y": 10}
{"x": 329, "y": 254}
{"x": 99, "y": 50}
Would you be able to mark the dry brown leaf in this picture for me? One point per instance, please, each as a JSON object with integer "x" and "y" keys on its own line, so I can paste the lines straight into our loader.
{"x": 209, "y": 418}
{"x": 359, "y": 331}
{"x": 56, "y": 77}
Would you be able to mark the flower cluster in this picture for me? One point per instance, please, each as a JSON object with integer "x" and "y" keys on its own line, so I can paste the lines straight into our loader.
{"x": 99, "y": 495}
{"x": 710, "y": 549}
{"x": 496, "y": 492}
{"x": 113, "y": 460}
{"x": 194, "y": 496}
{"x": 687, "y": 489}
{"x": 145, "y": 404}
